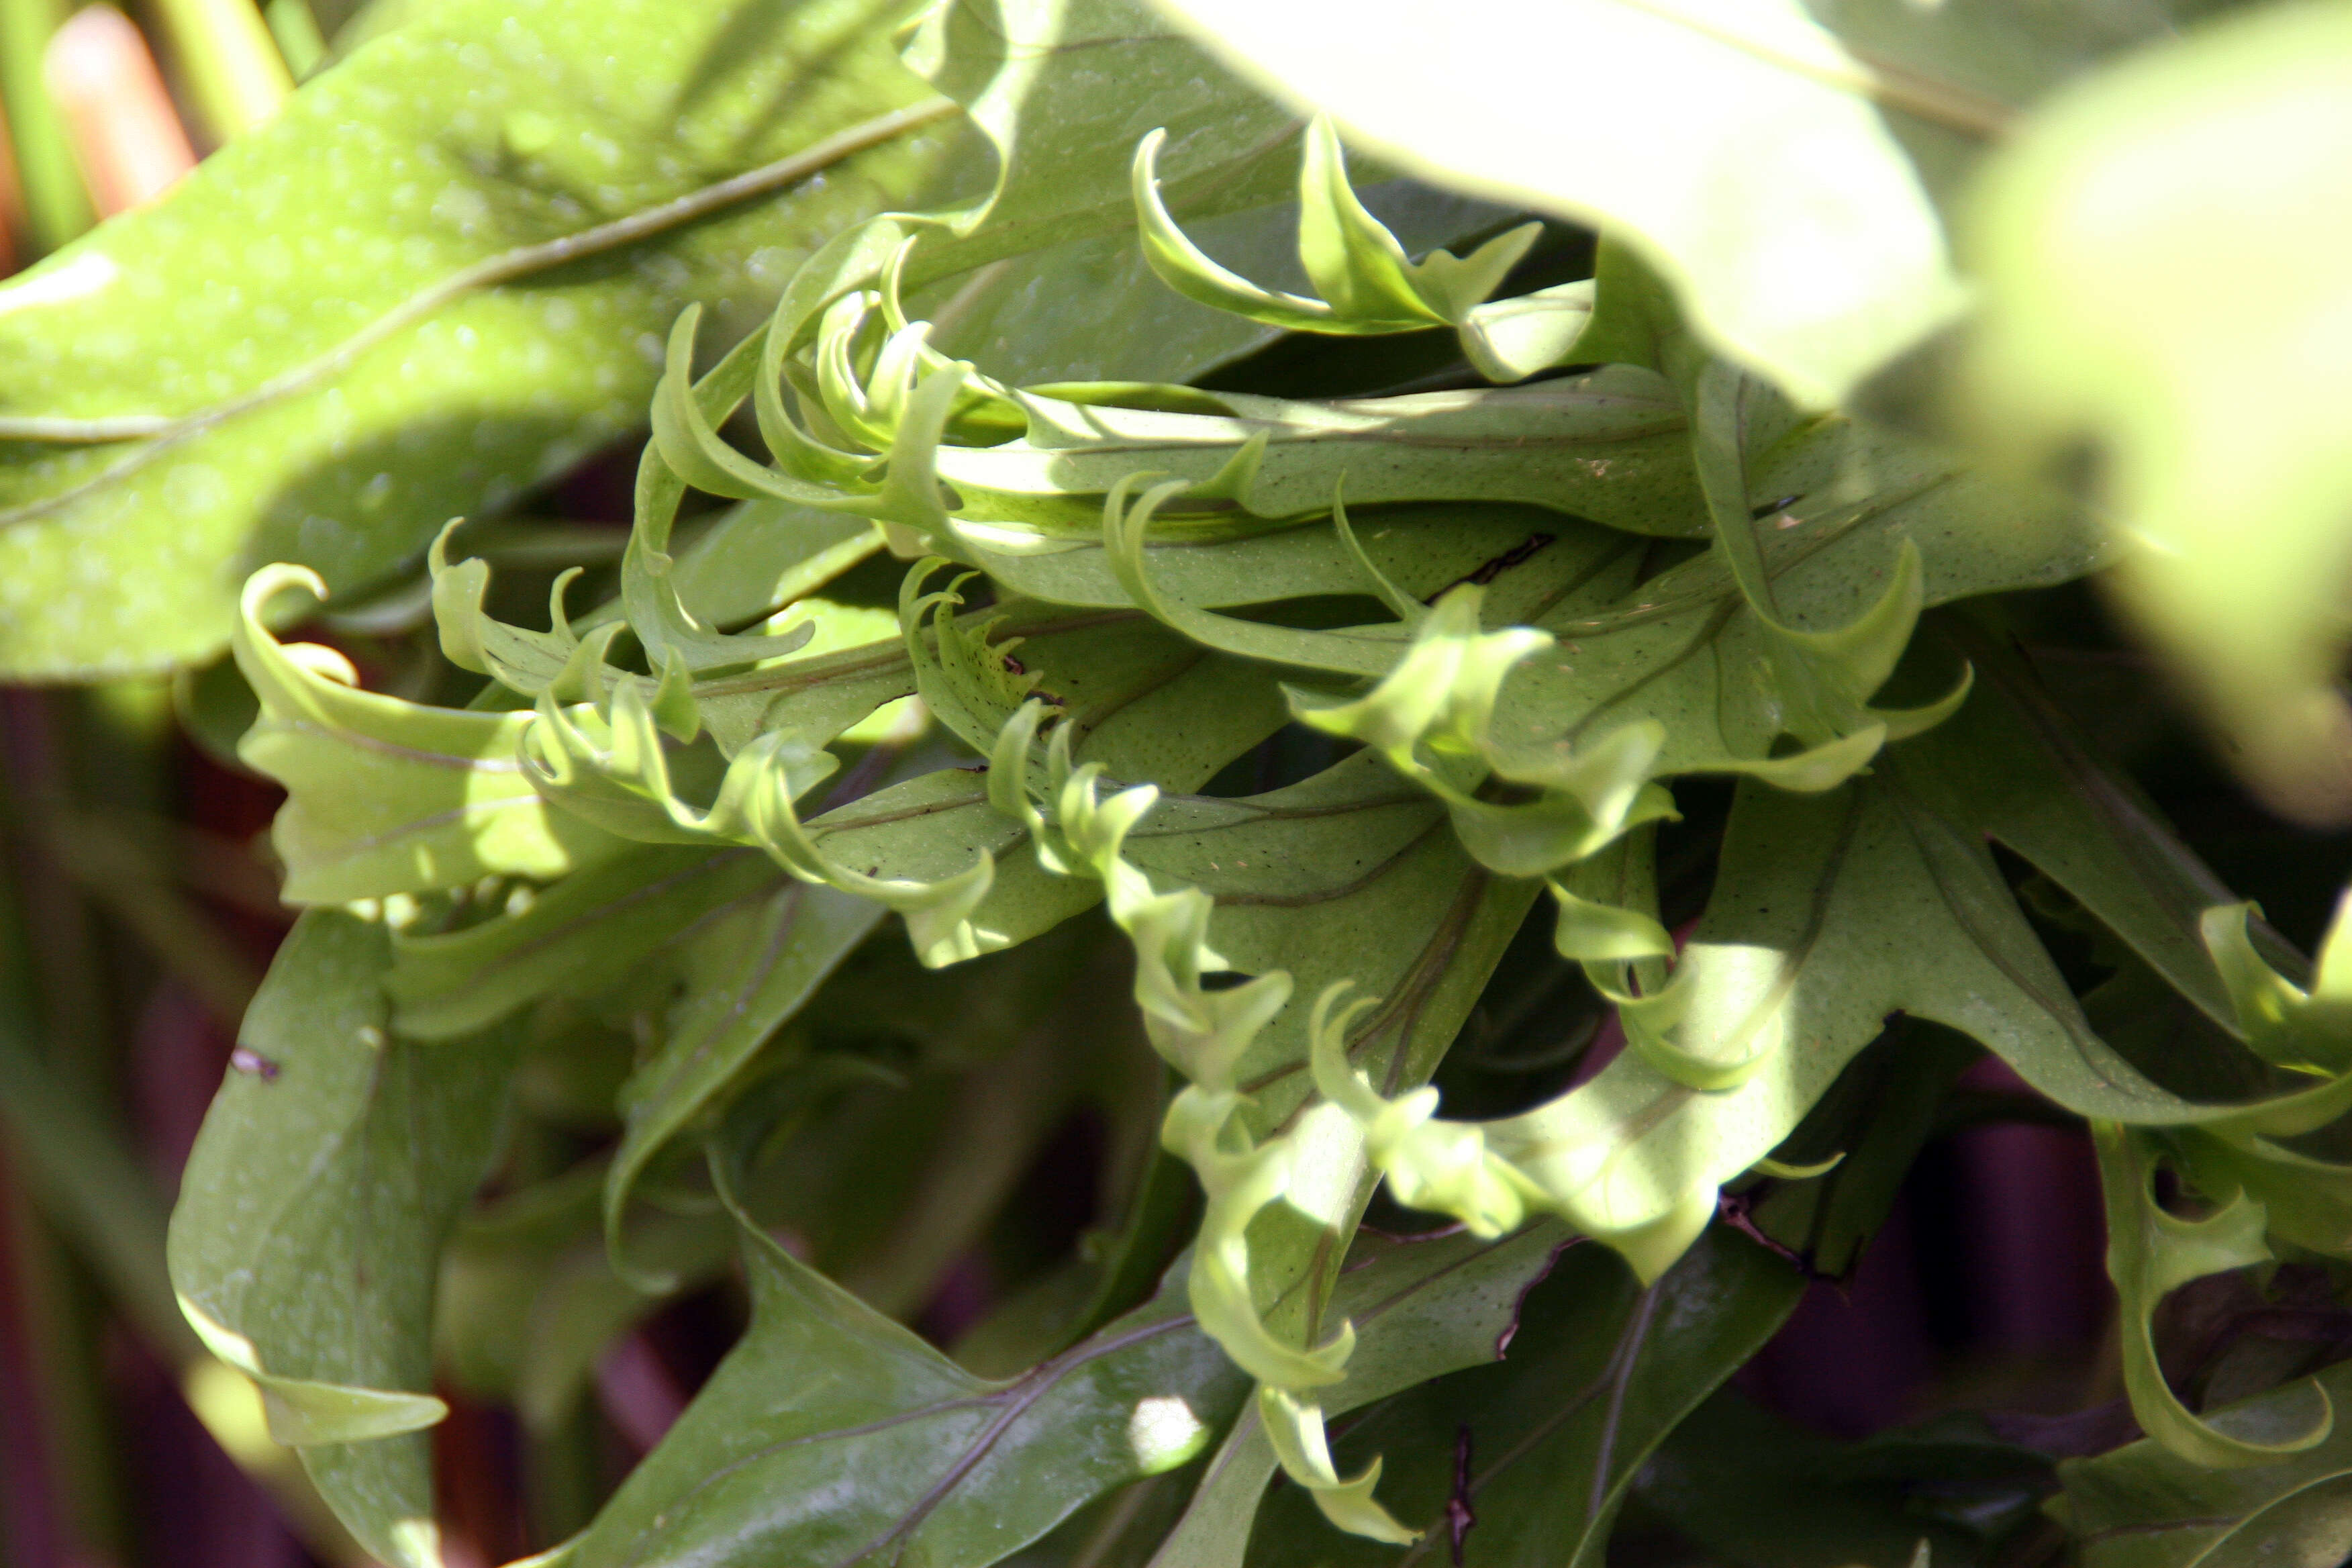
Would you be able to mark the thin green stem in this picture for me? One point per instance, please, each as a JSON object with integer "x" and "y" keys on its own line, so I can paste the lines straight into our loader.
{"x": 563, "y": 1474}
{"x": 67, "y": 1314}
{"x": 56, "y": 203}
{"x": 296, "y": 32}
{"x": 50, "y": 924}
{"x": 230, "y": 62}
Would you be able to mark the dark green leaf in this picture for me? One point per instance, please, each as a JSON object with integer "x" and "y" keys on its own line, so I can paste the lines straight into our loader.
{"x": 2145, "y": 1507}
{"x": 311, "y": 1217}
{"x": 1599, "y": 1372}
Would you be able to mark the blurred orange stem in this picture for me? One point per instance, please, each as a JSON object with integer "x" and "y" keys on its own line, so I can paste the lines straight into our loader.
{"x": 119, "y": 118}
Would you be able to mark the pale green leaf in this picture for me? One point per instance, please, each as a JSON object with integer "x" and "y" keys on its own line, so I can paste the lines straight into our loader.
{"x": 386, "y": 796}
{"x": 2157, "y": 254}
{"x": 1761, "y": 182}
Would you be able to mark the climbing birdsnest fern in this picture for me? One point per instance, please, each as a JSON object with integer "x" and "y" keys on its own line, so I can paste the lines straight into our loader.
{"x": 1319, "y": 697}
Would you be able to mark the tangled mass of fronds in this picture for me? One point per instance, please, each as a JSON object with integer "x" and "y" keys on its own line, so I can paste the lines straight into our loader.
{"x": 1541, "y": 580}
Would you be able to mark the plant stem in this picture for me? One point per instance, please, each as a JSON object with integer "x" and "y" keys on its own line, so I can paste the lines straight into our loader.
{"x": 29, "y": 1526}
{"x": 56, "y": 207}
{"x": 563, "y": 1474}
{"x": 296, "y": 32}
{"x": 229, "y": 61}
{"x": 90, "y": 1189}
{"x": 68, "y": 1317}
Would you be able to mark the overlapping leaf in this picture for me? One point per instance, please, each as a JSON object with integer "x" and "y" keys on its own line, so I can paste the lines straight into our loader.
{"x": 1598, "y": 1372}
{"x": 418, "y": 290}
{"x": 311, "y": 1216}
{"x": 2128, "y": 194}
{"x": 386, "y": 796}
{"x": 2147, "y": 1506}
{"x": 889, "y": 1450}
{"x": 1764, "y": 185}
{"x": 1532, "y": 603}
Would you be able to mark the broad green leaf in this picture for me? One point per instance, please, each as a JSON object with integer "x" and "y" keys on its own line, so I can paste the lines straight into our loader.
{"x": 1148, "y": 1207}
{"x": 1113, "y": 658}
{"x": 1367, "y": 282}
{"x": 2145, "y": 1507}
{"x": 2008, "y": 764}
{"x": 578, "y": 937}
{"x": 485, "y": 210}
{"x": 1832, "y": 911}
{"x": 1423, "y": 550}
{"x": 2099, "y": 236}
{"x": 746, "y": 969}
{"x": 530, "y": 1302}
{"x": 1012, "y": 320}
{"x": 1350, "y": 875}
{"x": 1058, "y": 87}
{"x": 890, "y": 1185}
{"x": 831, "y": 1435}
{"x": 1473, "y": 1320}
{"x": 462, "y": 175}
{"x": 386, "y": 796}
{"x": 1597, "y": 1373}
{"x": 1608, "y": 446}
{"x": 1759, "y": 180}
{"x": 311, "y": 1217}
{"x": 1765, "y": 1493}
{"x": 1989, "y": 52}
{"x": 1839, "y": 503}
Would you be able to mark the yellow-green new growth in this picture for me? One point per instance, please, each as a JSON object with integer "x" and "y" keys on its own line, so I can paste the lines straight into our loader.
{"x": 1368, "y": 284}
{"x": 1203, "y": 1034}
